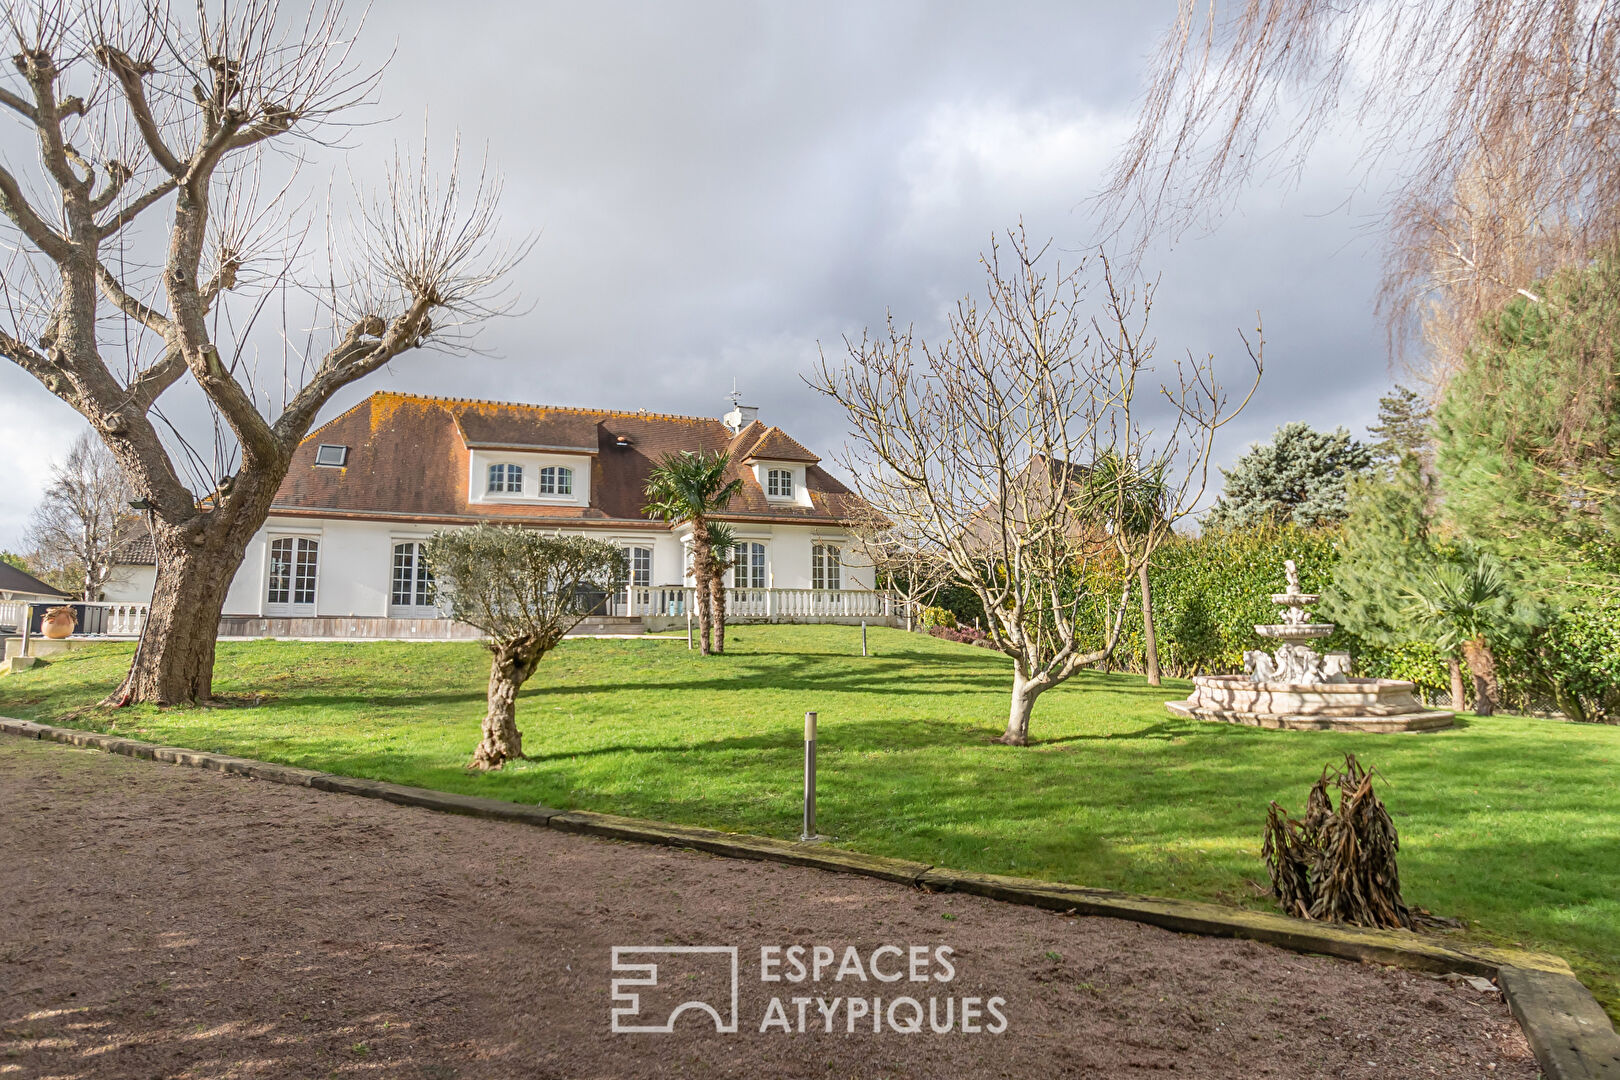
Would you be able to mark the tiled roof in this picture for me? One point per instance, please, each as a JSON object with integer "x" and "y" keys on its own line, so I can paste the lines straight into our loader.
{"x": 135, "y": 546}
{"x": 409, "y": 458}
{"x": 21, "y": 581}
{"x": 774, "y": 444}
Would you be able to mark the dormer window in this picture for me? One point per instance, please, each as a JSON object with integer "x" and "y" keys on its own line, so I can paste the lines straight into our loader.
{"x": 556, "y": 480}
{"x": 779, "y": 483}
{"x": 334, "y": 456}
{"x": 505, "y": 480}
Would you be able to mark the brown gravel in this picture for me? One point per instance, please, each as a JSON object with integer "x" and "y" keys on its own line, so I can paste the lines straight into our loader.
{"x": 168, "y": 922}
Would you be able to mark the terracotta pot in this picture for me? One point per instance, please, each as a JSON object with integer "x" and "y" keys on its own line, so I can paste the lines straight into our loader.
{"x": 59, "y": 622}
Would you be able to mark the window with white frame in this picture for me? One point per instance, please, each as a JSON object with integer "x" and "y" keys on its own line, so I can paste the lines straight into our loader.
{"x": 294, "y": 562}
{"x": 556, "y": 480}
{"x": 779, "y": 483}
{"x": 640, "y": 566}
{"x": 411, "y": 593}
{"x": 748, "y": 566}
{"x": 328, "y": 454}
{"x": 505, "y": 479}
{"x": 824, "y": 566}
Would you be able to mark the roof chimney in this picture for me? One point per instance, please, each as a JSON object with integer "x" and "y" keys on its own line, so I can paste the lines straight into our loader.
{"x": 740, "y": 416}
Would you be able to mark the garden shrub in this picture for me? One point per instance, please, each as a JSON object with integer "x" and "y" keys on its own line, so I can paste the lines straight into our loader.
{"x": 938, "y": 616}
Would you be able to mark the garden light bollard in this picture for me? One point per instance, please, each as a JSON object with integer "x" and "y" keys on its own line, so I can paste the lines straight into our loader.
{"x": 863, "y": 637}
{"x": 688, "y": 628}
{"x": 809, "y": 834}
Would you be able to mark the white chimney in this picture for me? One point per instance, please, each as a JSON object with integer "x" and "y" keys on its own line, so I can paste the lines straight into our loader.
{"x": 740, "y": 417}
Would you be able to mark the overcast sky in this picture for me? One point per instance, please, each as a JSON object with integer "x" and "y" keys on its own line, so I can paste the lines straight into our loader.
{"x": 721, "y": 189}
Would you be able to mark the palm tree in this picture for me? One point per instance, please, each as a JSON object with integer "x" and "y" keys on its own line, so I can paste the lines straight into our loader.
{"x": 1132, "y": 501}
{"x": 689, "y": 487}
{"x": 722, "y": 557}
{"x": 1465, "y": 603}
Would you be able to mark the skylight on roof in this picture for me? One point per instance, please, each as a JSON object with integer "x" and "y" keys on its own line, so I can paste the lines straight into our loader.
{"x": 327, "y": 454}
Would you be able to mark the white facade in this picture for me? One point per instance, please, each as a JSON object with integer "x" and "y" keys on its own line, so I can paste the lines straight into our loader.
{"x": 356, "y": 564}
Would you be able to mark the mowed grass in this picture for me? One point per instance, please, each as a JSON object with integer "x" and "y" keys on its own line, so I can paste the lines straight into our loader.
{"x": 1512, "y": 824}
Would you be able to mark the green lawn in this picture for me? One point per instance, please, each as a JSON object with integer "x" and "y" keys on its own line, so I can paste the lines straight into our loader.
{"x": 1510, "y": 823}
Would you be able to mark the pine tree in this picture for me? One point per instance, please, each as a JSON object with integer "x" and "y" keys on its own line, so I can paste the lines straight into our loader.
{"x": 1388, "y": 542}
{"x": 1299, "y": 477}
{"x": 1405, "y": 426}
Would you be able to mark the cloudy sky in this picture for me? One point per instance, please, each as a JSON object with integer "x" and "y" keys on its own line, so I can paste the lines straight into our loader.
{"x": 720, "y": 190}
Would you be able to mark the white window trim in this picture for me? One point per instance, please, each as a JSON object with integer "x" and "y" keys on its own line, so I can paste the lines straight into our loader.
{"x": 292, "y": 611}
{"x": 539, "y": 479}
{"x": 731, "y": 574}
{"x": 408, "y": 611}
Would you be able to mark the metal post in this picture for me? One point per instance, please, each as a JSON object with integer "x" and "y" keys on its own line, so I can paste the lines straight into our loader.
{"x": 689, "y": 626}
{"x": 863, "y": 637}
{"x": 809, "y": 834}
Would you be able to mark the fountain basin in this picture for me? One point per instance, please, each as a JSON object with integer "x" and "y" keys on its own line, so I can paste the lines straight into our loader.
{"x": 1352, "y": 705}
{"x": 1294, "y": 630}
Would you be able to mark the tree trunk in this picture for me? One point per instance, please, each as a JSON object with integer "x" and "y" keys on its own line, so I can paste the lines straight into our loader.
{"x": 701, "y": 591}
{"x": 1024, "y": 693}
{"x": 174, "y": 661}
{"x": 1151, "y": 642}
{"x": 1482, "y": 666}
{"x": 1459, "y": 700}
{"x": 502, "y": 742}
{"x": 717, "y": 598}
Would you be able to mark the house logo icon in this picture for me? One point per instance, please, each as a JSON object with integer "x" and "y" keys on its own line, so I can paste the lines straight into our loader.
{"x": 627, "y": 991}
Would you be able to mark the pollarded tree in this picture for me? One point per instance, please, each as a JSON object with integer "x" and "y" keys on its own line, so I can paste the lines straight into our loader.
{"x": 691, "y": 487}
{"x": 524, "y": 590}
{"x": 147, "y": 243}
{"x": 979, "y": 443}
{"x": 1299, "y": 476}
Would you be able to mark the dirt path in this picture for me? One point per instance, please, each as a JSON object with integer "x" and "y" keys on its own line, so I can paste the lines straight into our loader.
{"x": 168, "y": 922}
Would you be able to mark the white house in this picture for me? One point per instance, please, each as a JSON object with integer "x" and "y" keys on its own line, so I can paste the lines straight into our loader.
{"x": 341, "y": 555}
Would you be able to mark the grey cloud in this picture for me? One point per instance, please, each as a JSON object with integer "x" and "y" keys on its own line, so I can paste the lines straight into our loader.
{"x": 719, "y": 187}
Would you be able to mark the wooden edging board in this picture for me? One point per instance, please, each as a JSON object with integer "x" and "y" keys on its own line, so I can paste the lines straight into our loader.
{"x": 1569, "y": 1032}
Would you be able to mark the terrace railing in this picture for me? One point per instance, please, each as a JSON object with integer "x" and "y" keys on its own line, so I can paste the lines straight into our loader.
{"x": 786, "y": 604}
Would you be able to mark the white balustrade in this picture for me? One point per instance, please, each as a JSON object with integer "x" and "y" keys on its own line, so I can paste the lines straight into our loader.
{"x": 788, "y": 605}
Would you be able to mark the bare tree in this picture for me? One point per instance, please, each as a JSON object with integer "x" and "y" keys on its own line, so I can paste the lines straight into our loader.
{"x": 76, "y": 530}
{"x": 1499, "y": 113}
{"x": 157, "y": 229}
{"x": 978, "y": 444}
{"x": 906, "y": 564}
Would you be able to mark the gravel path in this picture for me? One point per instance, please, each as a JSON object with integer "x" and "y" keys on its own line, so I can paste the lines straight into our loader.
{"x": 169, "y": 922}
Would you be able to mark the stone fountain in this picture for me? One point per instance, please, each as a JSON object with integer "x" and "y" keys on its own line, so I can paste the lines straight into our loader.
{"x": 1299, "y": 688}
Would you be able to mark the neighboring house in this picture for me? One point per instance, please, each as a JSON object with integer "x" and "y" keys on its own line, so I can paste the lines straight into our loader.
{"x": 134, "y": 566}
{"x": 341, "y": 551}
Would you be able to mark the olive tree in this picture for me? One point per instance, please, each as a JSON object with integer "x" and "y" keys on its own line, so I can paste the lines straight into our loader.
{"x": 525, "y": 590}
{"x": 977, "y": 447}
{"x": 160, "y": 227}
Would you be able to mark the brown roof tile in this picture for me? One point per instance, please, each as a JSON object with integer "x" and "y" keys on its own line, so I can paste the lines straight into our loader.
{"x": 776, "y": 445}
{"x": 408, "y": 458}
